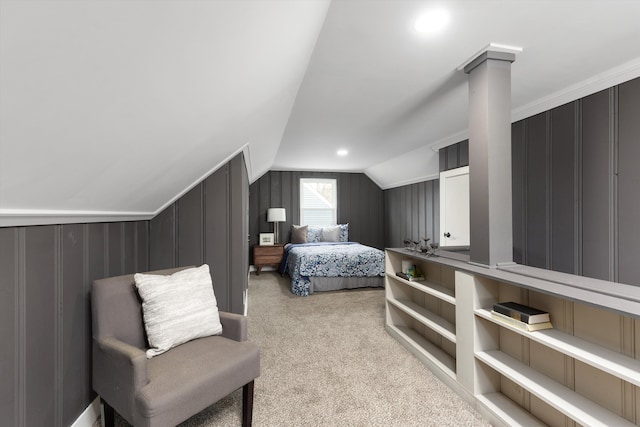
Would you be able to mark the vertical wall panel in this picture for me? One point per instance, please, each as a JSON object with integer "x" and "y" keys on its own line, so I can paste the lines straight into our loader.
{"x": 75, "y": 324}
{"x": 537, "y": 184}
{"x": 595, "y": 186}
{"x": 518, "y": 172}
{"x": 217, "y": 235}
{"x": 115, "y": 248}
{"x": 238, "y": 230}
{"x": 142, "y": 246}
{"x": 162, "y": 240}
{"x": 563, "y": 198}
{"x": 629, "y": 182}
{"x": 41, "y": 321}
{"x": 190, "y": 231}
{"x": 129, "y": 247}
{"x": 452, "y": 156}
{"x": 401, "y": 222}
{"x": 9, "y": 333}
{"x": 463, "y": 153}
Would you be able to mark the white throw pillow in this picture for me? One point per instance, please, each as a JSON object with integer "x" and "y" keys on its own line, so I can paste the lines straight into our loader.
{"x": 178, "y": 308}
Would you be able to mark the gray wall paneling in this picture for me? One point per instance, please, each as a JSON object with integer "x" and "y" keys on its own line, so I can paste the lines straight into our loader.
{"x": 360, "y": 203}
{"x": 208, "y": 225}
{"x": 162, "y": 239}
{"x": 45, "y": 316}
{"x": 563, "y": 198}
{"x": 536, "y": 149}
{"x": 411, "y": 212}
{"x": 518, "y": 173}
{"x": 597, "y": 196}
{"x": 629, "y": 181}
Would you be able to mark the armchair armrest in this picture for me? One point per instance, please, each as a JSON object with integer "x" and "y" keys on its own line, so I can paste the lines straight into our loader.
{"x": 234, "y": 326}
{"x": 119, "y": 370}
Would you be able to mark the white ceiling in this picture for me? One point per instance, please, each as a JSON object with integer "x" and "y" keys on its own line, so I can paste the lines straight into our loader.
{"x": 113, "y": 109}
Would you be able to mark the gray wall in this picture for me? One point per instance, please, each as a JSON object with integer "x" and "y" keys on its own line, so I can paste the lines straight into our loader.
{"x": 45, "y": 327}
{"x": 46, "y": 276}
{"x": 360, "y": 203}
{"x": 413, "y": 211}
{"x": 576, "y": 186}
{"x": 209, "y": 225}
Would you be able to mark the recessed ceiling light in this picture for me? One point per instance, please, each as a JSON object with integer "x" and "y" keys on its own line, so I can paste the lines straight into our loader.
{"x": 342, "y": 152}
{"x": 432, "y": 21}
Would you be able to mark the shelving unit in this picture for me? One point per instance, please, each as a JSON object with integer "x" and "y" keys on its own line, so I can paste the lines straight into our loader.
{"x": 585, "y": 371}
{"x": 421, "y": 314}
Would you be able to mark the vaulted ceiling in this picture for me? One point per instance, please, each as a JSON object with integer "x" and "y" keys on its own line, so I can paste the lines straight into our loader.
{"x": 114, "y": 108}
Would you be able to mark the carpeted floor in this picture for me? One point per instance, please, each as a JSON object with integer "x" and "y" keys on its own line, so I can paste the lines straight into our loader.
{"x": 326, "y": 360}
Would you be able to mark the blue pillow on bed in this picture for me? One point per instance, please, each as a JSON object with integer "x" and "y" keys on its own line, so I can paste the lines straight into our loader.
{"x": 344, "y": 232}
{"x": 314, "y": 233}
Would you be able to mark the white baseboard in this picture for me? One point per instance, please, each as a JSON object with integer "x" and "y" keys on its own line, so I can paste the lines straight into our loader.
{"x": 90, "y": 415}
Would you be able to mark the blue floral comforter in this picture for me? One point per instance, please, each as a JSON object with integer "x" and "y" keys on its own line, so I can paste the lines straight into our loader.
{"x": 329, "y": 259}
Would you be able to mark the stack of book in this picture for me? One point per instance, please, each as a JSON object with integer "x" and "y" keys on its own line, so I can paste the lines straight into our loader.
{"x": 521, "y": 316}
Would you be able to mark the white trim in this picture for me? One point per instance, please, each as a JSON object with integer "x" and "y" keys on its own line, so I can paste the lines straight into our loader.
{"x": 411, "y": 181}
{"x": 449, "y": 140}
{"x": 26, "y": 217}
{"x": 615, "y": 76}
{"x": 90, "y": 415}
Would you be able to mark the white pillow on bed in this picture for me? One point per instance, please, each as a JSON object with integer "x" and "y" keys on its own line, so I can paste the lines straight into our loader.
{"x": 330, "y": 234}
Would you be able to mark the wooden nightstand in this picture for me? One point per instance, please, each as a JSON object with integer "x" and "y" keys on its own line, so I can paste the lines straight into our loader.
{"x": 267, "y": 255}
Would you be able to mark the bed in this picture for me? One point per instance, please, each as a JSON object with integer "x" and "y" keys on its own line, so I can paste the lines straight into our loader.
{"x": 317, "y": 265}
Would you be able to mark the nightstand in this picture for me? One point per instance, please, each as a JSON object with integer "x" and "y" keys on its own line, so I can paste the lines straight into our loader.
{"x": 267, "y": 255}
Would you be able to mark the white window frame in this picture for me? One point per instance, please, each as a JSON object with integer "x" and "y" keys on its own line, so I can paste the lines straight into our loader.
{"x": 334, "y": 209}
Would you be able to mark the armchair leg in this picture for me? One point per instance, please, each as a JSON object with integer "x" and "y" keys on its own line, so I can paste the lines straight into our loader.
{"x": 247, "y": 404}
{"x": 108, "y": 419}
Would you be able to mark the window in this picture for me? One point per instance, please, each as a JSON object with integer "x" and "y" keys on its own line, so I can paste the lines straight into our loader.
{"x": 318, "y": 201}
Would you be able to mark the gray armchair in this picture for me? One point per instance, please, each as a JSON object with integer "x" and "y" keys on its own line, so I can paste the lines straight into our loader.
{"x": 171, "y": 387}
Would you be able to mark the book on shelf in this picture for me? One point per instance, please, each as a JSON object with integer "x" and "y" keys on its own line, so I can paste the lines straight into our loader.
{"x": 521, "y": 312}
{"x": 529, "y": 327}
{"x": 410, "y": 278}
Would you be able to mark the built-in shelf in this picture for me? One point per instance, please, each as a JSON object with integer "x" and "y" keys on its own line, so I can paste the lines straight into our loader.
{"x": 433, "y": 289}
{"x": 570, "y": 403}
{"x": 421, "y": 314}
{"x": 424, "y": 350}
{"x": 592, "y": 354}
{"x": 583, "y": 371}
{"x": 507, "y": 410}
{"x": 436, "y": 323}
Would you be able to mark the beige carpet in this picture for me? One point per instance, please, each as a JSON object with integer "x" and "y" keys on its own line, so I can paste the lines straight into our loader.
{"x": 327, "y": 360}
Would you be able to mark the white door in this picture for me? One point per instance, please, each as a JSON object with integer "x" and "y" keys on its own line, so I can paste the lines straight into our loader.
{"x": 454, "y": 207}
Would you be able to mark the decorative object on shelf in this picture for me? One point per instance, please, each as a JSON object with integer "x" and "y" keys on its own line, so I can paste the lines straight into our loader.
{"x": 410, "y": 272}
{"x": 434, "y": 246}
{"x": 425, "y": 247}
{"x": 521, "y": 312}
{"x": 266, "y": 239}
{"x": 276, "y": 215}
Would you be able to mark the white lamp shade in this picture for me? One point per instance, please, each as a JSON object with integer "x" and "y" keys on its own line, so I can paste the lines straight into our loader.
{"x": 276, "y": 215}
